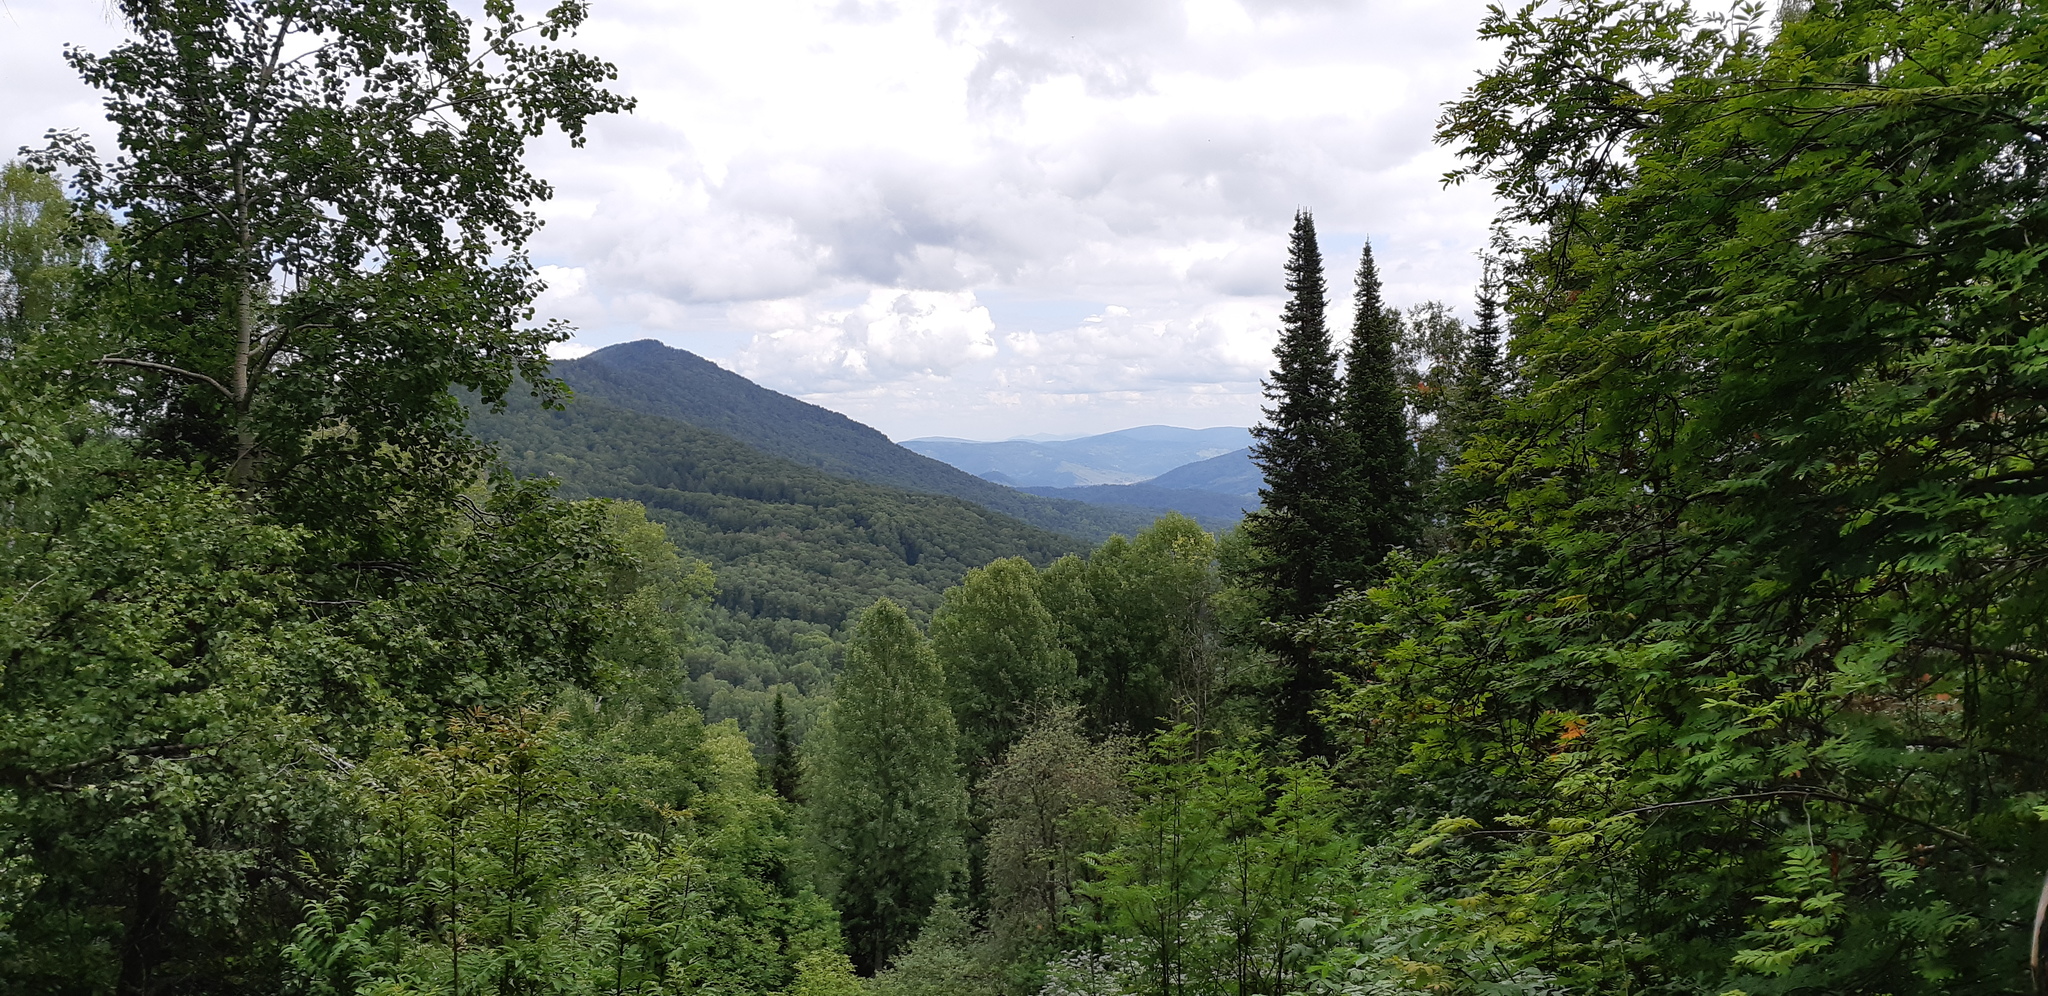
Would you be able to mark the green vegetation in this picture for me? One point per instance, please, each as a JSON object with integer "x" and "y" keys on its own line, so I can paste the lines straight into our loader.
{"x": 886, "y": 799}
{"x": 1701, "y": 662}
{"x": 649, "y": 377}
{"x": 798, "y": 553}
{"x": 1299, "y": 444}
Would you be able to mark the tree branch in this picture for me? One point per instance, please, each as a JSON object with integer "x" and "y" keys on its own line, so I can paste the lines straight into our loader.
{"x": 123, "y": 361}
{"x": 2020, "y": 656}
{"x": 1804, "y": 794}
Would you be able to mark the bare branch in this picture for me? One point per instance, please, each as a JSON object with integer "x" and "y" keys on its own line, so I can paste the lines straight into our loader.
{"x": 123, "y": 361}
{"x": 1818, "y": 794}
{"x": 2022, "y": 656}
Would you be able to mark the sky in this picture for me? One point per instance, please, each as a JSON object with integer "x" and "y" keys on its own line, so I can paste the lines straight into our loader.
{"x": 973, "y": 218}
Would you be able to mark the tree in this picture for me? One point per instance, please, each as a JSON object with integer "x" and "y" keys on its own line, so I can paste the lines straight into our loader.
{"x": 1752, "y": 648}
{"x": 1055, "y": 798}
{"x": 1138, "y": 616}
{"x": 1482, "y": 374}
{"x": 784, "y": 769}
{"x": 324, "y": 213}
{"x": 1001, "y": 653}
{"x": 515, "y": 857}
{"x": 1474, "y": 401}
{"x": 1297, "y": 445}
{"x": 1379, "y": 462}
{"x": 887, "y": 800}
{"x": 38, "y": 255}
{"x": 1226, "y": 864}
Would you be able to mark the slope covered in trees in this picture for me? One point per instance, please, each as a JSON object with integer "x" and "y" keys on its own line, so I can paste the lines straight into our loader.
{"x": 1705, "y": 658}
{"x": 1215, "y": 511}
{"x": 650, "y": 377}
{"x": 797, "y": 552}
{"x": 296, "y": 696}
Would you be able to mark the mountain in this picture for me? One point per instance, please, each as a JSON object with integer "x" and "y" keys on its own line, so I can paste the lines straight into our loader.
{"x": 1213, "y": 510}
{"x": 654, "y": 379}
{"x": 1123, "y": 457}
{"x": 797, "y": 551}
{"x": 1233, "y": 473}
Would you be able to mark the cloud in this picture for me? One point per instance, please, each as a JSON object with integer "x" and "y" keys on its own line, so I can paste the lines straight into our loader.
{"x": 892, "y": 335}
{"x": 569, "y": 350}
{"x": 797, "y": 170}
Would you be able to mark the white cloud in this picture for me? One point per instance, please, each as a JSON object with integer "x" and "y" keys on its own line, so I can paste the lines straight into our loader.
{"x": 893, "y": 335}
{"x": 569, "y": 350}
{"x": 800, "y": 170}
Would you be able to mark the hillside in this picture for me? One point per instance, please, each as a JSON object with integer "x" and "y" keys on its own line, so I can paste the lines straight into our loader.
{"x": 1214, "y": 511}
{"x": 1230, "y": 474}
{"x": 652, "y": 378}
{"x": 796, "y": 550}
{"x": 1126, "y": 456}
{"x": 1215, "y": 492}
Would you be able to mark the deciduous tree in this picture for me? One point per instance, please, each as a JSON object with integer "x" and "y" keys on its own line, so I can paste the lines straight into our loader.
{"x": 887, "y": 800}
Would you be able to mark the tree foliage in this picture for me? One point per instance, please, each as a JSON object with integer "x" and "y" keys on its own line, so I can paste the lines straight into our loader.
{"x": 1376, "y": 462}
{"x": 1738, "y": 682}
{"x": 1001, "y": 654}
{"x": 1298, "y": 446}
{"x": 324, "y": 215}
{"x": 886, "y": 796}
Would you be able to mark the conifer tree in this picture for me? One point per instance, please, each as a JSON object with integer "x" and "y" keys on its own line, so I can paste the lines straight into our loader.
{"x": 1295, "y": 445}
{"x": 887, "y": 801}
{"x": 1475, "y": 401}
{"x": 1297, "y": 448}
{"x": 1378, "y": 460}
{"x": 1480, "y": 376}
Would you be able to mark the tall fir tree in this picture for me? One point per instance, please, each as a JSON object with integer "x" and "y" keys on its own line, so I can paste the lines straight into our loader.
{"x": 1378, "y": 461}
{"x": 1297, "y": 449}
{"x": 888, "y": 803}
{"x": 1476, "y": 401}
{"x": 1482, "y": 375}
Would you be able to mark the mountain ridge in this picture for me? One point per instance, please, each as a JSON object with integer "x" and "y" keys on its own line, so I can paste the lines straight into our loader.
{"x": 1124, "y": 456}
{"x": 654, "y": 378}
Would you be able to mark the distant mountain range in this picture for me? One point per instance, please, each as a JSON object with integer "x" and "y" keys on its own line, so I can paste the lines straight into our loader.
{"x": 1233, "y": 473}
{"x": 805, "y": 515}
{"x": 653, "y": 378}
{"x": 1127, "y": 456}
{"x": 1222, "y": 487}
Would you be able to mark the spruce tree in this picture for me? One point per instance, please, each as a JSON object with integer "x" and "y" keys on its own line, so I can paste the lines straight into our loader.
{"x": 1295, "y": 445}
{"x": 1378, "y": 463}
{"x": 1475, "y": 402}
{"x": 887, "y": 801}
{"x": 1297, "y": 449}
{"x": 1480, "y": 376}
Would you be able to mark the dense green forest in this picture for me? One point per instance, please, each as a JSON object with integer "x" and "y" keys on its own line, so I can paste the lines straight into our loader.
{"x": 796, "y": 552}
{"x": 1669, "y": 628}
{"x": 649, "y": 377}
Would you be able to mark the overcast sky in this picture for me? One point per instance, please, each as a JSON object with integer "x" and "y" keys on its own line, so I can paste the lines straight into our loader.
{"x": 976, "y": 218}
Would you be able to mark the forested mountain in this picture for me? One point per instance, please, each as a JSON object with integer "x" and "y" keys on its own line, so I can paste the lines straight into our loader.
{"x": 796, "y": 551}
{"x": 1679, "y": 627}
{"x": 1232, "y": 473}
{"x": 1127, "y": 456}
{"x": 650, "y": 377}
{"x": 1212, "y": 510}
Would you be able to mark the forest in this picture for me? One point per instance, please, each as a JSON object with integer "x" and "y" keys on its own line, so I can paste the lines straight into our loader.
{"x": 1668, "y": 628}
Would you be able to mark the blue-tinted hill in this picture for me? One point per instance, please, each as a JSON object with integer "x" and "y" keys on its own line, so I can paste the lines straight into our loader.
{"x": 1126, "y": 456}
{"x": 1232, "y": 473}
